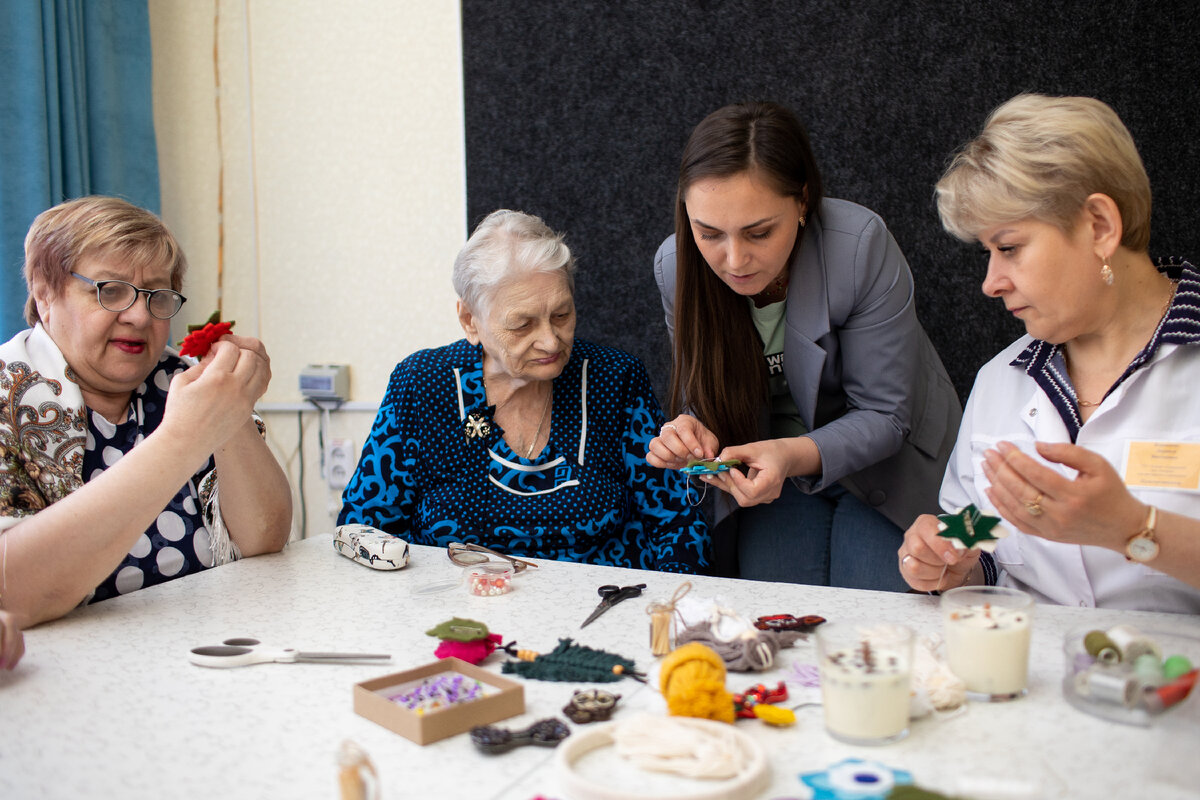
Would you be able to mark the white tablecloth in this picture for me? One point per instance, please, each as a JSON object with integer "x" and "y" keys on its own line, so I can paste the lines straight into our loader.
{"x": 106, "y": 704}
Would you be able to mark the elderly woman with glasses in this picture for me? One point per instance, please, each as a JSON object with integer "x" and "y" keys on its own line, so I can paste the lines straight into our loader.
{"x": 110, "y": 444}
{"x": 521, "y": 437}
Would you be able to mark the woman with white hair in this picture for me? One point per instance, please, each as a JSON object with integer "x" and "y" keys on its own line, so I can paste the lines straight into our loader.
{"x": 1083, "y": 435}
{"x": 521, "y": 437}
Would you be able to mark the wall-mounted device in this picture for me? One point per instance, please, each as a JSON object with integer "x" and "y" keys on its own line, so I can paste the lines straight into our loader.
{"x": 329, "y": 382}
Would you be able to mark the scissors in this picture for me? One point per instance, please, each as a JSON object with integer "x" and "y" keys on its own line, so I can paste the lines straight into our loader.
{"x": 612, "y": 595}
{"x": 244, "y": 652}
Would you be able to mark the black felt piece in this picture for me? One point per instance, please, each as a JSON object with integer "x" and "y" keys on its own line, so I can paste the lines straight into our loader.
{"x": 577, "y": 111}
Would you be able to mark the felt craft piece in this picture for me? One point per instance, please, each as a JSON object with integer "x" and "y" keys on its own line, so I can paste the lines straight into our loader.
{"x": 201, "y": 338}
{"x": 459, "y": 630}
{"x": 751, "y": 650}
{"x": 969, "y": 527}
{"x": 572, "y": 662}
{"x": 471, "y": 652}
{"x": 692, "y": 679}
{"x": 855, "y": 779}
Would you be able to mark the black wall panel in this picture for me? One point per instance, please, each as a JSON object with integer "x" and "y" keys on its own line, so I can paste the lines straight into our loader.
{"x": 577, "y": 111}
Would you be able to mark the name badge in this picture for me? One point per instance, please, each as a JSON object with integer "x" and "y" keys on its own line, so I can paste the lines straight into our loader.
{"x": 1163, "y": 465}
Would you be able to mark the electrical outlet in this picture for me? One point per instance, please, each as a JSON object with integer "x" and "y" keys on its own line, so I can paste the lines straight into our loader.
{"x": 340, "y": 461}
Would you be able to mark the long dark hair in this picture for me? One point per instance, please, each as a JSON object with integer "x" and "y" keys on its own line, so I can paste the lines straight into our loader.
{"x": 719, "y": 371}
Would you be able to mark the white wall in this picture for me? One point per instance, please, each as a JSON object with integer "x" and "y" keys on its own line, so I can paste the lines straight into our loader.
{"x": 334, "y": 146}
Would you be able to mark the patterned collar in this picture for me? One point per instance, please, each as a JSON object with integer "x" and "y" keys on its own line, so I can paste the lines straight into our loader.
{"x": 1044, "y": 362}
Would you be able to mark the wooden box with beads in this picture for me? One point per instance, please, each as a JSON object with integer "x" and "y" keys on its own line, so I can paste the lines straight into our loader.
{"x": 438, "y": 700}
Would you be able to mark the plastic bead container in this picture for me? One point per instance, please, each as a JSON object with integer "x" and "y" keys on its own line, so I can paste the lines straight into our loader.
{"x": 489, "y": 579}
{"x": 1116, "y": 691}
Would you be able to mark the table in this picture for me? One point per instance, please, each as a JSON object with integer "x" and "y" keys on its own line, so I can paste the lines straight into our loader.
{"x": 106, "y": 704}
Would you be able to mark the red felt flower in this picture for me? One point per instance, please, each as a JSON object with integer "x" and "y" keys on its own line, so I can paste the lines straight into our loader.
{"x": 198, "y": 342}
{"x": 472, "y": 652}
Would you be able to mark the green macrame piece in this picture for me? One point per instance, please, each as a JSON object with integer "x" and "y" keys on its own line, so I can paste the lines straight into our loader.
{"x": 574, "y": 663}
{"x": 459, "y": 630}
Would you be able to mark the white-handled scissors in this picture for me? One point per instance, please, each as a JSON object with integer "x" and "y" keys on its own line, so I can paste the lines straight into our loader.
{"x": 244, "y": 652}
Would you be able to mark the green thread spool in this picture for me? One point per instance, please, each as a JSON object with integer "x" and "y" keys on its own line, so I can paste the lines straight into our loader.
{"x": 1175, "y": 666}
{"x": 1101, "y": 648}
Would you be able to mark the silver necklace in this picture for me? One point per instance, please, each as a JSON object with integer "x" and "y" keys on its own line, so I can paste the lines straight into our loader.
{"x": 538, "y": 433}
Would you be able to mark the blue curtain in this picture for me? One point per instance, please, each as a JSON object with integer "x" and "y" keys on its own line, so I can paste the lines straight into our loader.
{"x": 75, "y": 118}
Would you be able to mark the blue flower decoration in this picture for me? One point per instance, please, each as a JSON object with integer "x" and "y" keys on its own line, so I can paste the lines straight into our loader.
{"x": 855, "y": 779}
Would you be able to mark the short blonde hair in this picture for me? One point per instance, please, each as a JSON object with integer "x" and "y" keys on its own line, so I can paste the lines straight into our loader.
{"x": 95, "y": 227}
{"x": 506, "y": 246}
{"x": 1041, "y": 157}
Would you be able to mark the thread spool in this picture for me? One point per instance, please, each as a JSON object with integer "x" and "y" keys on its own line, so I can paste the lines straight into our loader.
{"x": 1132, "y": 643}
{"x": 1107, "y": 686}
{"x": 1100, "y": 647}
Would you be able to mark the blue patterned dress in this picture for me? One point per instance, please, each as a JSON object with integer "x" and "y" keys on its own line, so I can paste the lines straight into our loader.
{"x": 588, "y": 496}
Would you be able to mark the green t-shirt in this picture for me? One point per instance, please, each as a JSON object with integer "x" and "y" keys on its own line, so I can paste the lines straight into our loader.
{"x": 785, "y": 417}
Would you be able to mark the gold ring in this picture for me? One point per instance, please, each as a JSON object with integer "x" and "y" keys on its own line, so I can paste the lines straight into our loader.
{"x": 1034, "y": 506}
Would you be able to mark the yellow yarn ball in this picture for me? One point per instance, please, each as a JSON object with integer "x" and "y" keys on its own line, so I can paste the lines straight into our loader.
{"x": 692, "y": 679}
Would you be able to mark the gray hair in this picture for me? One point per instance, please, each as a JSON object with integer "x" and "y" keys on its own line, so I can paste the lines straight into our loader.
{"x": 505, "y": 247}
{"x": 1041, "y": 157}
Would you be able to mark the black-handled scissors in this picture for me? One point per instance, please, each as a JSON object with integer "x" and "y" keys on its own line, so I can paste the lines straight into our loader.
{"x": 612, "y": 595}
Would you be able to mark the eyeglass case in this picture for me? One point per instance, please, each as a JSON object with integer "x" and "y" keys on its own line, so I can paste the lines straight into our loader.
{"x": 370, "y": 547}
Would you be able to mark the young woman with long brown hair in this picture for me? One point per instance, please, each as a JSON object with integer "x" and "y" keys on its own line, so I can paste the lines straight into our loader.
{"x": 798, "y": 351}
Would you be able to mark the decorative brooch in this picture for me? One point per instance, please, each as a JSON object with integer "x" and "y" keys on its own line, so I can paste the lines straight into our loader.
{"x": 592, "y": 705}
{"x": 544, "y": 733}
{"x": 476, "y": 426}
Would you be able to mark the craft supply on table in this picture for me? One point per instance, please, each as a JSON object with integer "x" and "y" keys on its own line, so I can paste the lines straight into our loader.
{"x": 988, "y": 631}
{"x": 571, "y": 662}
{"x": 242, "y": 652}
{"x": 489, "y": 580}
{"x": 692, "y": 680}
{"x": 935, "y": 687}
{"x": 865, "y": 681}
{"x": 1128, "y": 675}
{"x": 610, "y": 595}
{"x": 464, "y": 638}
{"x": 437, "y": 692}
{"x": 855, "y": 779}
{"x": 357, "y": 778}
{"x": 590, "y": 705}
{"x": 662, "y": 620}
{"x": 370, "y": 547}
{"x": 447, "y": 697}
{"x": 674, "y": 758}
{"x": 751, "y": 650}
{"x": 759, "y": 702}
{"x": 787, "y": 622}
{"x": 543, "y": 733}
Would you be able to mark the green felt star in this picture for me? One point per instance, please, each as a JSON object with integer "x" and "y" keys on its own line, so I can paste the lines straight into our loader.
{"x": 970, "y": 526}
{"x": 459, "y": 630}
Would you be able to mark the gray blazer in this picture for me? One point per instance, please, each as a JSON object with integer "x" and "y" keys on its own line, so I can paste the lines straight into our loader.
{"x": 867, "y": 381}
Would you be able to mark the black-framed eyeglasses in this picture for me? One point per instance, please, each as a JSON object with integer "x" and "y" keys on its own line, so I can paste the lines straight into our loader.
{"x": 116, "y": 296}
{"x": 466, "y": 555}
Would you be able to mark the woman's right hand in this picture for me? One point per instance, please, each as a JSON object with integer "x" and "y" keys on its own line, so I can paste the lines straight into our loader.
{"x": 213, "y": 400}
{"x": 679, "y": 441}
{"x": 931, "y": 563}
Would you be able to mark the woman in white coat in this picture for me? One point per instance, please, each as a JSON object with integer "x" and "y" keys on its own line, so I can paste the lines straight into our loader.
{"x": 1083, "y": 435}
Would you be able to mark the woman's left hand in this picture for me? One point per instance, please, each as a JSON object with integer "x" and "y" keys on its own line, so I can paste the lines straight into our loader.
{"x": 1092, "y": 508}
{"x": 767, "y": 465}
